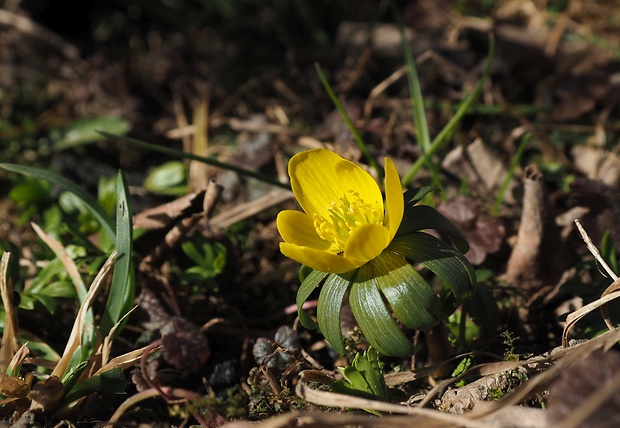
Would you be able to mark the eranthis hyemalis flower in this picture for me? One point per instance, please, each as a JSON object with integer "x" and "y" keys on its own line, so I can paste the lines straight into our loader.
{"x": 358, "y": 246}
{"x": 346, "y": 223}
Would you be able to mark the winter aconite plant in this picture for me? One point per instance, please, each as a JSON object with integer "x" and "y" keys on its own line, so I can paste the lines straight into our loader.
{"x": 357, "y": 243}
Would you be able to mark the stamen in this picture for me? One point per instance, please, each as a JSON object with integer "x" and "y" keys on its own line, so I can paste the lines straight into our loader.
{"x": 345, "y": 215}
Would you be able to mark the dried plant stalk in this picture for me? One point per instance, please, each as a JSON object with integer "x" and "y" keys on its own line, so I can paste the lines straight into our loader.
{"x": 537, "y": 259}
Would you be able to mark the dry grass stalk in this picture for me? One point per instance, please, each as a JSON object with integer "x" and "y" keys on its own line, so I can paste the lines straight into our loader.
{"x": 10, "y": 337}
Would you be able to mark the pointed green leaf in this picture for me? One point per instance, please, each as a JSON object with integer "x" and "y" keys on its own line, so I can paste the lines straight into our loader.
{"x": 312, "y": 281}
{"x": 409, "y": 295}
{"x": 371, "y": 368}
{"x": 328, "y": 309}
{"x": 110, "y": 382}
{"x": 373, "y": 317}
{"x": 415, "y": 195}
{"x": 84, "y": 131}
{"x": 122, "y": 290}
{"x": 443, "y": 260}
{"x": 92, "y": 204}
{"x": 423, "y": 217}
{"x": 356, "y": 380}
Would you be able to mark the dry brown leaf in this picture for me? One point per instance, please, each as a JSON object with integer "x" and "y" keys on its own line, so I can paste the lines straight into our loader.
{"x": 597, "y": 164}
{"x": 480, "y": 167}
{"x": 484, "y": 233}
{"x": 46, "y": 395}
{"x": 13, "y": 387}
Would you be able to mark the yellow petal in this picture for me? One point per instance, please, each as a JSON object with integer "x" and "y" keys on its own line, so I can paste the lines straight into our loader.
{"x": 298, "y": 228}
{"x": 366, "y": 242}
{"x": 317, "y": 259}
{"x": 320, "y": 177}
{"x": 394, "y": 201}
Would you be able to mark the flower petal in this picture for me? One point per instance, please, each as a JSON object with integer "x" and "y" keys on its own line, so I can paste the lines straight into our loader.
{"x": 366, "y": 242}
{"x": 319, "y": 260}
{"x": 320, "y": 177}
{"x": 298, "y": 228}
{"x": 394, "y": 200}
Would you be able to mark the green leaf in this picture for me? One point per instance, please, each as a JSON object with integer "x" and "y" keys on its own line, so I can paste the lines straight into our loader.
{"x": 371, "y": 368}
{"x": 443, "y": 260}
{"x": 170, "y": 175}
{"x": 363, "y": 378}
{"x": 415, "y": 195}
{"x": 373, "y": 317}
{"x": 110, "y": 382}
{"x": 409, "y": 295}
{"x": 421, "y": 217}
{"x": 328, "y": 309}
{"x": 92, "y": 204}
{"x": 312, "y": 281}
{"x": 63, "y": 289}
{"x": 122, "y": 290}
{"x": 30, "y": 190}
{"x": 85, "y": 131}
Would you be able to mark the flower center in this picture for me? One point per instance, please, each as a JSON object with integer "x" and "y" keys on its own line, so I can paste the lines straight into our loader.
{"x": 345, "y": 215}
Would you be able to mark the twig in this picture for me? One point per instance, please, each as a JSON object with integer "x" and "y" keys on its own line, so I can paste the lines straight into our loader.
{"x": 594, "y": 250}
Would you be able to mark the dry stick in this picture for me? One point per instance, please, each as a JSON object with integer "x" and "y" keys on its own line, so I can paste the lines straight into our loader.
{"x": 10, "y": 334}
{"x": 248, "y": 209}
{"x": 332, "y": 399}
{"x": 151, "y": 393}
{"x": 180, "y": 230}
{"x": 594, "y": 250}
{"x": 609, "y": 294}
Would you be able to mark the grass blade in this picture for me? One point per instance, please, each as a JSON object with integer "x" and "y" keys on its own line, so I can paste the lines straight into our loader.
{"x": 345, "y": 116}
{"x": 210, "y": 161}
{"x": 417, "y": 100}
{"x": 104, "y": 219}
{"x": 122, "y": 290}
{"x": 451, "y": 125}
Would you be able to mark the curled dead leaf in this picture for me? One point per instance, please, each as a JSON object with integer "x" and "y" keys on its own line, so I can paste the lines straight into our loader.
{"x": 13, "y": 387}
{"x": 46, "y": 394}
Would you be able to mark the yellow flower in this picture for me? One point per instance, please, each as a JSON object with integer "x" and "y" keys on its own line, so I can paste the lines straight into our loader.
{"x": 345, "y": 224}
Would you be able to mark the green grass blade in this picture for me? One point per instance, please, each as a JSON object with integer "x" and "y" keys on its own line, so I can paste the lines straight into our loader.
{"x": 104, "y": 219}
{"x": 451, "y": 125}
{"x": 122, "y": 290}
{"x": 417, "y": 100}
{"x": 209, "y": 161}
{"x": 511, "y": 172}
{"x": 345, "y": 116}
